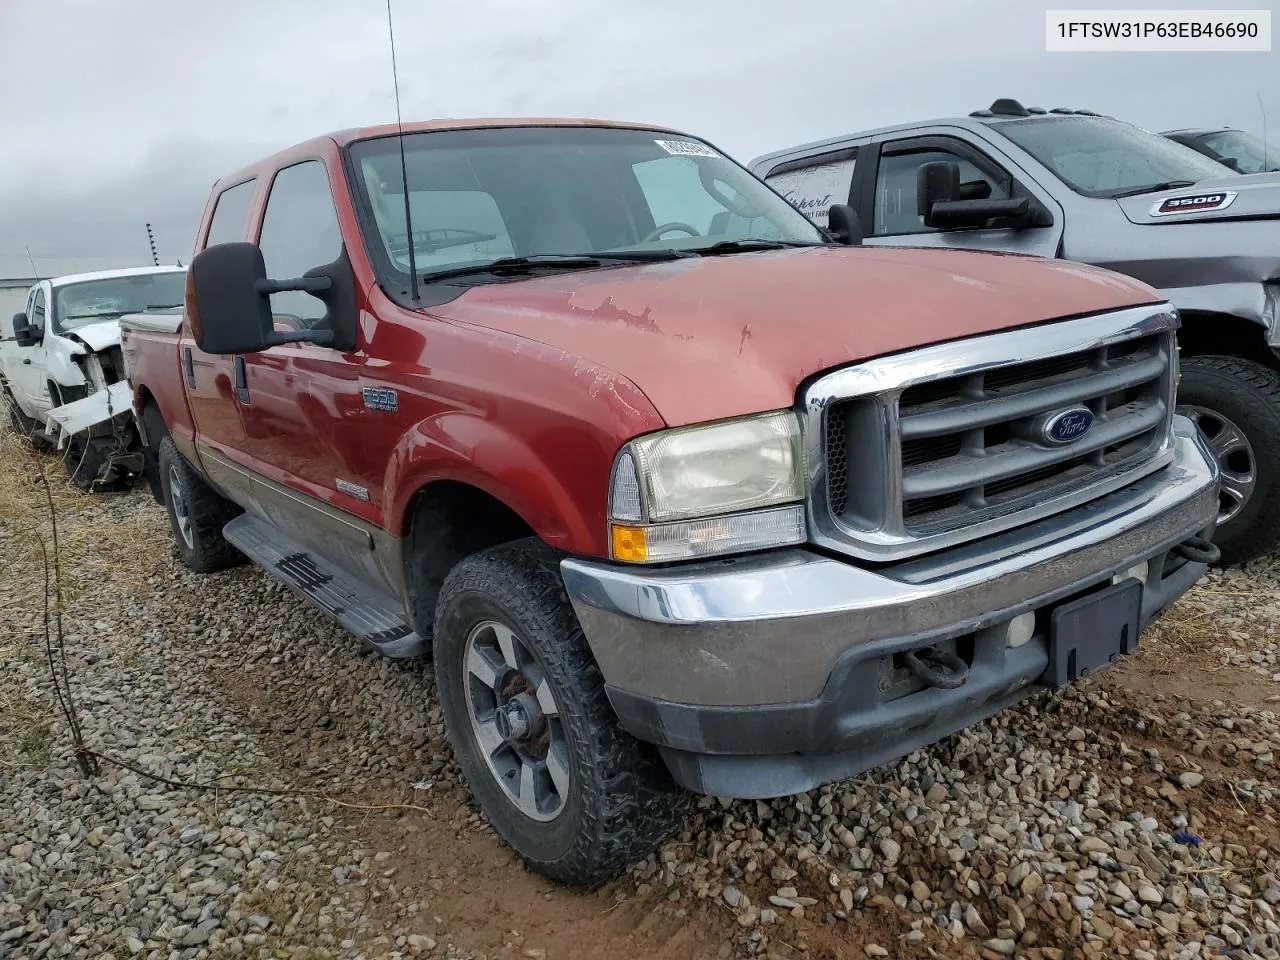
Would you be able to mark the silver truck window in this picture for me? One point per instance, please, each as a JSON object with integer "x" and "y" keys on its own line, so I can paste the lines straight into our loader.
{"x": 896, "y": 189}
{"x": 230, "y": 214}
{"x": 812, "y": 190}
{"x": 1250, "y": 154}
{"x": 299, "y": 231}
{"x": 1104, "y": 158}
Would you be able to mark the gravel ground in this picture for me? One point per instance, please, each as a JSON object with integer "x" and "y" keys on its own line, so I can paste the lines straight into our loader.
{"x": 1129, "y": 816}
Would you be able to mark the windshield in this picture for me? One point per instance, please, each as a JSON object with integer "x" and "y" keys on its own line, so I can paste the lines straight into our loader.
{"x": 92, "y": 301}
{"x": 1250, "y": 154}
{"x": 479, "y": 195}
{"x": 1105, "y": 158}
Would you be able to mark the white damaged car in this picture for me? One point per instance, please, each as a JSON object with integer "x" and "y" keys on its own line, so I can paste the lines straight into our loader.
{"x": 62, "y": 371}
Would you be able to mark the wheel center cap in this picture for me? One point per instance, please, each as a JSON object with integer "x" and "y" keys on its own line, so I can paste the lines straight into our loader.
{"x": 515, "y": 719}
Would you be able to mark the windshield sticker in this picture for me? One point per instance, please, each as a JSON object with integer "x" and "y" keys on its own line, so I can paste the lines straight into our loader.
{"x": 1197, "y": 203}
{"x": 686, "y": 148}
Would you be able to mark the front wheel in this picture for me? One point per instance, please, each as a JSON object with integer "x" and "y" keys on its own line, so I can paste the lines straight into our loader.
{"x": 1236, "y": 405}
{"x": 524, "y": 703}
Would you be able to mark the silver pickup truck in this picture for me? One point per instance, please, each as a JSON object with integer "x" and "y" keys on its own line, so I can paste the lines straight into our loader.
{"x": 1075, "y": 185}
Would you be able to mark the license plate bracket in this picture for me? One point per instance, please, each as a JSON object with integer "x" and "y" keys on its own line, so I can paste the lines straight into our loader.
{"x": 1089, "y": 633}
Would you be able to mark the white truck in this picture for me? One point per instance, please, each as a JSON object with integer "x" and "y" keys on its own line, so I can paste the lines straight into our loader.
{"x": 62, "y": 373}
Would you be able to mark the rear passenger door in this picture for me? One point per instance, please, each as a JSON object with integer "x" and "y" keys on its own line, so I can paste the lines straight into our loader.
{"x": 889, "y": 211}
{"x": 211, "y": 379}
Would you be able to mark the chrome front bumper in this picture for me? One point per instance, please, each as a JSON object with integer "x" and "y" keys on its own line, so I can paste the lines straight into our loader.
{"x": 770, "y": 628}
{"x": 771, "y": 674}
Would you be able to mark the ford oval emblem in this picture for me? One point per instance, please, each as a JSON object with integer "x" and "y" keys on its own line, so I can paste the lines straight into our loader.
{"x": 1067, "y": 426}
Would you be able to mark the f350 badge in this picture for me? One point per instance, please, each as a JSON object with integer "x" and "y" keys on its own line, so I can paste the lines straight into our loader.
{"x": 384, "y": 399}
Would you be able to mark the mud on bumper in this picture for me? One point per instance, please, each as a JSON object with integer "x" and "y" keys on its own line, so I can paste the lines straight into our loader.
{"x": 768, "y": 675}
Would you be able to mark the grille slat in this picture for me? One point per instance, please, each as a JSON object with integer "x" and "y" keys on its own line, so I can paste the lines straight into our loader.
{"x": 970, "y": 448}
{"x": 981, "y": 413}
{"x": 1016, "y": 457}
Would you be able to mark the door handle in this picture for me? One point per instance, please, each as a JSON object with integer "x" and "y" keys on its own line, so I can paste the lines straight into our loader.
{"x": 189, "y": 367}
{"x": 242, "y": 381}
{"x": 27, "y": 361}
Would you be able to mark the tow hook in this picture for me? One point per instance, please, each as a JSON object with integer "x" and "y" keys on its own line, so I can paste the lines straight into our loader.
{"x": 937, "y": 668}
{"x": 1198, "y": 550}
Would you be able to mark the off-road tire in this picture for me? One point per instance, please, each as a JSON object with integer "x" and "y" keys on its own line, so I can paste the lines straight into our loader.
{"x": 621, "y": 802}
{"x": 1247, "y": 394}
{"x": 207, "y": 510}
{"x": 83, "y": 460}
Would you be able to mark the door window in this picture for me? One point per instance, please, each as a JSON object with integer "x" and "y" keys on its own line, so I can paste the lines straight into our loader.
{"x": 36, "y": 317}
{"x": 812, "y": 190}
{"x": 299, "y": 232}
{"x": 896, "y": 210}
{"x": 230, "y": 213}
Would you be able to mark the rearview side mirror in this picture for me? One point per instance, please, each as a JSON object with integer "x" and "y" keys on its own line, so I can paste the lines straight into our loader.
{"x": 229, "y": 301}
{"x": 24, "y": 333}
{"x": 944, "y": 203}
{"x": 843, "y": 224}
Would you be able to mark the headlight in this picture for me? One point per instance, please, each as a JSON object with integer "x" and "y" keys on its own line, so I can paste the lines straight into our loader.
{"x": 709, "y": 490}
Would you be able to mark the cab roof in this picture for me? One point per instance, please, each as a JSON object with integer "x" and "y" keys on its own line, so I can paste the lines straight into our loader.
{"x": 111, "y": 275}
{"x": 342, "y": 138}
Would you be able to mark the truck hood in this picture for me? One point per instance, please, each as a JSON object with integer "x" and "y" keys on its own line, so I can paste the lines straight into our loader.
{"x": 707, "y": 338}
{"x": 95, "y": 336}
{"x": 1233, "y": 197}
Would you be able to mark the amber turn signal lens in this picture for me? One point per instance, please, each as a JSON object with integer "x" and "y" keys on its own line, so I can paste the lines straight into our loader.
{"x": 630, "y": 544}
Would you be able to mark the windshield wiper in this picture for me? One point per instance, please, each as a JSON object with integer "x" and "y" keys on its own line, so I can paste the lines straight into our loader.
{"x": 94, "y": 316}
{"x": 564, "y": 261}
{"x": 1154, "y": 188}
{"x": 748, "y": 244}
{"x": 162, "y": 306}
{"x": 514, "y": 264}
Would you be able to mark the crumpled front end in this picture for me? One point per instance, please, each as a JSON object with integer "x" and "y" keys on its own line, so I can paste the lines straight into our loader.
{"x": 94, "y": 426}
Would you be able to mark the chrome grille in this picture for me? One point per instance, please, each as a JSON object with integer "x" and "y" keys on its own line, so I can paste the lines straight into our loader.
{"x": 946, "y": 444}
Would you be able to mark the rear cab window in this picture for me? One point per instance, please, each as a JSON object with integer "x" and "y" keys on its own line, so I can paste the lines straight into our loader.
{"x": 813, "y": 187}
{"x": 230, "y": 214}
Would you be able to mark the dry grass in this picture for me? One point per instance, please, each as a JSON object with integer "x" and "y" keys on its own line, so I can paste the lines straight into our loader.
{"x": 100, "y": 537}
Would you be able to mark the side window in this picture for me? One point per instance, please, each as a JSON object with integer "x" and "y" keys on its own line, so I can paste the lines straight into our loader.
{"x": 230, "y": 213}
{"x": 36, "y": 319}
{"x": 299, "y": 231}
{"x": 895, "y": 211}
{"x": 813, "y": 189}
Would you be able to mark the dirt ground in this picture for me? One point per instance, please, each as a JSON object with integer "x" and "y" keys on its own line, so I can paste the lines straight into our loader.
{"x": 428, "y": 876}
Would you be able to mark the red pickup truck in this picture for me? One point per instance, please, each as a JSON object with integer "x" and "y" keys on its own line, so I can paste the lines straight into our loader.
{"x": 678, "y": 489}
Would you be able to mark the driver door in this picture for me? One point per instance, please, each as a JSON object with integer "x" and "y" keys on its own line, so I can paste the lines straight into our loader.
{"x": 893, "y": 218}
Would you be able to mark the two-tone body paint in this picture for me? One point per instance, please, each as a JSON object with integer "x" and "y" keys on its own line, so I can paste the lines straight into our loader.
{"x": 527, "y": 388}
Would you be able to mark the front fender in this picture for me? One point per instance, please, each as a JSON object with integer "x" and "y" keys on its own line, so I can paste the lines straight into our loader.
{"x": 60, "y": 364}
{"x": 464, "y": 448}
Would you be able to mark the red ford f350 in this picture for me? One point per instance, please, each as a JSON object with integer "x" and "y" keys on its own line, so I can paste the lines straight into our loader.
{"x": 679, "y": 489}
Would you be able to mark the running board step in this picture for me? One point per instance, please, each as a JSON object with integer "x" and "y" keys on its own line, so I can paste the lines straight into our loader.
{"x": 370, "y": 614}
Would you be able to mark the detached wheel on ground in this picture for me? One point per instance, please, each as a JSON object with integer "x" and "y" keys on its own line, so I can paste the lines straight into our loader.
{"x": 1236, "y": 404}
{"x": 524, "y": 703}
{"x": 197, "y": 514}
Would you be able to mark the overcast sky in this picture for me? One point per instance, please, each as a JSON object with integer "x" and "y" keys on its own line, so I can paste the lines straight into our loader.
{"x": 118, "y": 113}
